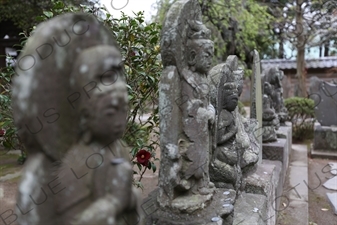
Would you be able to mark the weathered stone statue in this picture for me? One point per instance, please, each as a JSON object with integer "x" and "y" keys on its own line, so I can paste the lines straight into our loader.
{"x": 274, "y": 111}
{"x": 71, "y": 81}
{"x": 270, "y": 121}
{"x": 274, "y": 77}
{"x": 245, "y": 137}
{"x": 186, "y": 114}
{"x": 225, "y": 164}
{"x": 235, "y": 150}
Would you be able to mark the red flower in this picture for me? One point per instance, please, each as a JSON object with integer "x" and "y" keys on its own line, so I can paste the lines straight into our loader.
{"x": 2, "y": 132}
{"x": 143, "y": 157}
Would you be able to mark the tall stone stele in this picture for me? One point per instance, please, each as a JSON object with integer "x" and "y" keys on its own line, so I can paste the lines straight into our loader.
{"x": 186, "y": 115}
{"x": 70, "y": 105}
{"x": 256, "y": 99}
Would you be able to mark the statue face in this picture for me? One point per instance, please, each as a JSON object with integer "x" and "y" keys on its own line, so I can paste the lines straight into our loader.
{"x": 267, "y": 88}
{"x": 230, "y": 96}
{"x": 108, "y": 113}
{"x": 239, "y": 80}
{"x": 201, "y": 55}
{"x": 104, "y": 106}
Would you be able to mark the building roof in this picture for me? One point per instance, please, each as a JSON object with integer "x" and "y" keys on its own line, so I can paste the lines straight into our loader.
{"x": 323, "y": 62}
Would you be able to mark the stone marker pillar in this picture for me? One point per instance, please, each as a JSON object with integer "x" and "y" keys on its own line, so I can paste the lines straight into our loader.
{"x": 256, "y": 99}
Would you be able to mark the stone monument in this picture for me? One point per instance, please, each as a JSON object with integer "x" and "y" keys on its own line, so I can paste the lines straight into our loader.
{"x": 274, "y": 77}
{"x": 70, "y": 105}
{"x": 234, "y": 150}
{"x": 277, "y": 135}
{"x": 187, "y": 56}
{"x": 256, "y": 99}
{"x": 185, "y": 194}
{"x": 325, "y": 129}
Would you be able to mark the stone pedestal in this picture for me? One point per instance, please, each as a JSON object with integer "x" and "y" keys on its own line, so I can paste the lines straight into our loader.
{"x": 325, "y": 141}
{"x": 277, "y": 150}
{"x": 266, "y": 181}
{"x": 219, "y": 211}
{"x": 251, "y": 209}
{"x": 285, "y": 132}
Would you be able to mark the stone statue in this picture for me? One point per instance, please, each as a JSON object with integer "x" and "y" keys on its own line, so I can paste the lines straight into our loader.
{"x": 274, "y": 77}
{"x": 106, "y": 195}
{"x": 225, "y": 165}
{"x": 198, "y": 114}
{"x": 186, "y": 115}
{"x": 77, "y": 172}
{"x": 269, "y": 117}
{"x": 245, "y": 136}
{"x": 235, "y": 150}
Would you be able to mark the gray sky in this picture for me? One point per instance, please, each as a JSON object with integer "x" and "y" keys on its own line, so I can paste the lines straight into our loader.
{"x": 127, "y": 6}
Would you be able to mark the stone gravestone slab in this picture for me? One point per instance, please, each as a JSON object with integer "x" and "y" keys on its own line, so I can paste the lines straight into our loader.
{"x": 325, "y": 131}
{"x": 256, "y": 98}
{"x": 69, "y": 102}
{"x": 325, "y": 96}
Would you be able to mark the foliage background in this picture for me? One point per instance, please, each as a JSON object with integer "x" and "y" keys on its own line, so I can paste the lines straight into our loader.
{"x": 301, "y": 113}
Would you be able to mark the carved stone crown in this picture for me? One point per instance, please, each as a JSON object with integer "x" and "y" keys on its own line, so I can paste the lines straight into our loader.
{"x": 197, "y": 30}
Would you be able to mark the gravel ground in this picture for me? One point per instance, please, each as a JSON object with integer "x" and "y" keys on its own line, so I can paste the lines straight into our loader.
{"x": 317, "y": 193}
{"x": 318, "y": 201}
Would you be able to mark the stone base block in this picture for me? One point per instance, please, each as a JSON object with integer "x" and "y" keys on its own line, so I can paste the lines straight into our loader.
{"x": 218, "y": 211}
{"x": 267, "y": 181}
{"x": 251, "y": 209}
{"x": 286, "y": 132}
{"x": 333, "y": 200}
{"x": 322, "y": 154}
{"x": 325, "y": 141}
{"x": 279, "y": 151}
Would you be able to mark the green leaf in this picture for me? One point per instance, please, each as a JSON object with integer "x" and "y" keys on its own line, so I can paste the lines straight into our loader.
{"x": 154, "y": 168}
{"x": 48, "y": 14}
{"x": 139, "y": 167}
{"x": 7, "y": 144}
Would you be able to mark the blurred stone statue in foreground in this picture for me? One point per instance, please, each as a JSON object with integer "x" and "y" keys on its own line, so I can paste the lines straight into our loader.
{"x": 70, "y": 107}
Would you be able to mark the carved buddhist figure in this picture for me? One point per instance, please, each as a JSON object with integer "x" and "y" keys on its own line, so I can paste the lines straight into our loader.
{"x": 77, "y": 171}
{"x": 245, "y": 138}
{"x": 198, "y": 113}
{"x": 274, "y": 77}
{"x": 186, "y": 115}
{"x": 236, "y": 149}
{"x": 104, "y": 194}
{"x": 269, "y": 116}
{"x": 225, "y": 165}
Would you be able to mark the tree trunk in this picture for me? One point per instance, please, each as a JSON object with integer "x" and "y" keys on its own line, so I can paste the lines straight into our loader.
{"x": 320, "y": 51}
{"x": 300, "y": 87}
{"x": 281, "y": 47}
{"x": 326, "y": 49}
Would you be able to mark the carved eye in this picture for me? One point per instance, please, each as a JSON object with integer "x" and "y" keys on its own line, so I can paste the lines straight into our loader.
{"x": 109, "y": 77}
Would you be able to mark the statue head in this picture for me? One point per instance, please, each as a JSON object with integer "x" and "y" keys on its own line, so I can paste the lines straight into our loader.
{"x": 274, "y": 77}
{"x": 230, "y": 94}
{"x": 200, "y": 48}
{"x": 103, "y": 107}
{"x": 267, "y": 88}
